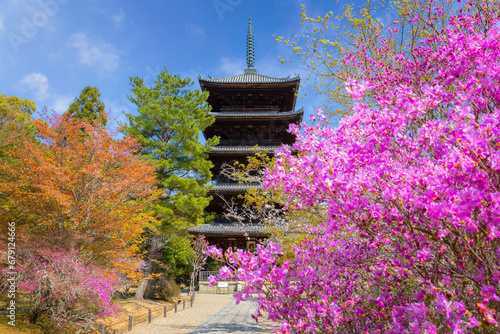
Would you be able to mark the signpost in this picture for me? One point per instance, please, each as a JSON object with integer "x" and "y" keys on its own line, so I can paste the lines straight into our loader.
{"x": 222, "y": 285}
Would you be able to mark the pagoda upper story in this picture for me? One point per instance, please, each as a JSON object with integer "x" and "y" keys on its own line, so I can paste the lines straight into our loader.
{"x": 251, "y": 92}
{"x": 250, "y": 108}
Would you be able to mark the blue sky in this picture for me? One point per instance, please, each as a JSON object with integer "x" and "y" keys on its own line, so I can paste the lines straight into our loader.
{"x": 51, "y": 49}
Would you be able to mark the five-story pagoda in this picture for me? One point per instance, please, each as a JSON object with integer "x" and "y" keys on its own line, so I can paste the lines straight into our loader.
{"x": 250, "y": 109}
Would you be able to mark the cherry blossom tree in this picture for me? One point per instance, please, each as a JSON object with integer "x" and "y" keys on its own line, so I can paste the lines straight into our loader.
{"x": 64, "y": 288}
{"x": 199, "y": 259}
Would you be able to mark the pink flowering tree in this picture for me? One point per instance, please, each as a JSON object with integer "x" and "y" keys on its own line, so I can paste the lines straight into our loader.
{"x": 65, "y": 289}
{"x": 199, "y": 244}
{"x": 412, "y": 190}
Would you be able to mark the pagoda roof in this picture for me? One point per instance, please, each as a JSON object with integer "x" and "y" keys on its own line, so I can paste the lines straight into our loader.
{"x": 243, "y": 149}
{"x": 253, "y": 114}
{"x": 229, "y": 228}
{"x": 235, "y": 187}
{"x": 249, "y": 78}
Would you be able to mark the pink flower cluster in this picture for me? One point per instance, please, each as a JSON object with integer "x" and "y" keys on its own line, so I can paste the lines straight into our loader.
{"x": 411, "y": 188}
{"x": 66, "y": 288}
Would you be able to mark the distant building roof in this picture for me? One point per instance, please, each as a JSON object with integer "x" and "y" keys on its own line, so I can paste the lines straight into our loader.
{"x": 257, "y": 113}
{"x": 248, "y": 78}
{"x": 229, "y": 228}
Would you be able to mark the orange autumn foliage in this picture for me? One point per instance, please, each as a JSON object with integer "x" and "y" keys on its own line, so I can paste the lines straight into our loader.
{"x": 78, "y": 188}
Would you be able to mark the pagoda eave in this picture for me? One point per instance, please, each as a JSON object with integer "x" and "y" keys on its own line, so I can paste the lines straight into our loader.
{"x": 230, "y": 229}
{"x": 289, "y": 115}
{"x": 232, "y": 150}
{"x": 248, "y": 81}
{"x": 233, "y": 188}
{"x": 294, "y": 84}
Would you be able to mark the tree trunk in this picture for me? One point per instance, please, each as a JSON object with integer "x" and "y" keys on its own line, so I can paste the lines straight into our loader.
{"x": 141, "y": 289}
{"x": 191, "y": 284}
{"x": 33, "y": 317}
{"x": 148, "y": 270}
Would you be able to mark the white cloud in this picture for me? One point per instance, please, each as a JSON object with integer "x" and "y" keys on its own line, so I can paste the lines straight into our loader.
{"x": 194, "y": 30}
{"x": 61, "y": 103}
{"x": 116, "y": 110}
{"x": 270, "y": 66}
{"x": 2, "y": 29}
{"x": 118, "y": 18}
{"x": 93, "y": 53}
{"x": 36, "y": 82}
{"x": 230, "y": 67}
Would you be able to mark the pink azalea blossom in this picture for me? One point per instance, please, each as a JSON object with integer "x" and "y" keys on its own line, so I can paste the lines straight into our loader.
{"x": 410, "y": 188}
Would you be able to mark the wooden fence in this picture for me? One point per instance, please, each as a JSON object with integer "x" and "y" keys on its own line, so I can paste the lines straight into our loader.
{"x": 153, "y": 312}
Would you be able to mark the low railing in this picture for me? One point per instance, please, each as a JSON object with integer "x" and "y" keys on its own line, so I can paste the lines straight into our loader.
{"x": 250, "y": 109}
{"x": 205, "y": 274}
{"x": 254, "y": 141}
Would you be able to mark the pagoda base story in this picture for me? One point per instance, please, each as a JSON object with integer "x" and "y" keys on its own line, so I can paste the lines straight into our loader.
{"x": 234, "y": 236}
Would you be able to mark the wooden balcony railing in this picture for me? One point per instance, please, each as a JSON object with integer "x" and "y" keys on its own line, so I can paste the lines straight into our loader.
{"x": 205, "y": 274}
{"x": 252, "y": 142}
{"x": 250, "y": 109}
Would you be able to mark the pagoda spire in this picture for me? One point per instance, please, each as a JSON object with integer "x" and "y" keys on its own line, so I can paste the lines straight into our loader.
{"x": 250, "y": 49}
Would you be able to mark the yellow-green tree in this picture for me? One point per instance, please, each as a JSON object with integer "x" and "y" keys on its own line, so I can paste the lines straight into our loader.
{"x": 15, "y": 120}
{"x": 15, "y": 116}
{"x": 286, "y": 220}
{"x": 332, "y": 47}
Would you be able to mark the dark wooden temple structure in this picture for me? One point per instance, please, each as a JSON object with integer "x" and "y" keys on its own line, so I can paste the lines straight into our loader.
{"x": 250, "y": 109}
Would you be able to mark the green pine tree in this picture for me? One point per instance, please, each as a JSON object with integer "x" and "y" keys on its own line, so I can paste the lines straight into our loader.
{"x": 170, "y": 118}
{"x": 89, "y": 106}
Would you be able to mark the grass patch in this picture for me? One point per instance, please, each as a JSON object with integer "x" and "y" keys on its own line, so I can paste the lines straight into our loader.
{"x": 22, "y": 323}
{"x": 118, "y": 322}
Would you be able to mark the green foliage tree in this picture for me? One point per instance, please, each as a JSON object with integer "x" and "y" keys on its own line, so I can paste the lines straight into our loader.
{"x": 170, "y": 118}
{"x": 15, "y": 116}
{"x": 89, "y": 106}
{"x": 15, "y": 119}
{"x": 178, "y": 253}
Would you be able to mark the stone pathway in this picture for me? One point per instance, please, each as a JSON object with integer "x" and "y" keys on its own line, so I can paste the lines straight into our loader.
{"x": 211, "y": 313}
{"x": 236, "y": 319}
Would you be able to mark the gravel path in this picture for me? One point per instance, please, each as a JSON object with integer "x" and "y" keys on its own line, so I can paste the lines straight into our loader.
{"x": 205, "y": 307}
